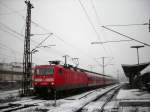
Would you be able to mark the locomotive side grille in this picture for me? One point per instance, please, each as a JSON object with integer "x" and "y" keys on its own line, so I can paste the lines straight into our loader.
{"x": 49, "y": 79}
{"x": 38, "y": 79}
{"x": 42, "y": 79}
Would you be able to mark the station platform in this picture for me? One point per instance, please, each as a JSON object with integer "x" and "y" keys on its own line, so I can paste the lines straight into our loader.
{"x": 135, "y": 100}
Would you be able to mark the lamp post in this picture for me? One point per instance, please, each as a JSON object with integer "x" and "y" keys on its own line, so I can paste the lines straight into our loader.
{"x": 138, "y": 73}
{"x": 137, "y": 47}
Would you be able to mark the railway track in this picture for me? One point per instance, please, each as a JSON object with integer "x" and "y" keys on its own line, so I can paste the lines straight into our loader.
{"x": 93, "y": 101}
{"x": 18, "y": 105}
{"x": 98, "y": 98}
{"x": 99, "y": 104}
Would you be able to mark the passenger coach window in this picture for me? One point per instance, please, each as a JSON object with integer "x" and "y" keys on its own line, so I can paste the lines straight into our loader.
{"x": 60, "y": 71}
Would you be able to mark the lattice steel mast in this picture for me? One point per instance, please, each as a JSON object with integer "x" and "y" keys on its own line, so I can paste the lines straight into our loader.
{"x": 26, "y": 81}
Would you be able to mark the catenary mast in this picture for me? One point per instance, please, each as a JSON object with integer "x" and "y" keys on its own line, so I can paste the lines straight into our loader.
{"x": 27, "y": 67}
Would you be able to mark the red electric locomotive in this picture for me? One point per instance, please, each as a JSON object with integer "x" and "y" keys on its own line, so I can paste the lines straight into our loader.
{"x": 47, "y": 78}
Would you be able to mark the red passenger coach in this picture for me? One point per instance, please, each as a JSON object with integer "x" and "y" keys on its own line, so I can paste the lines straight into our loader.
{"x": 48, "y": 78}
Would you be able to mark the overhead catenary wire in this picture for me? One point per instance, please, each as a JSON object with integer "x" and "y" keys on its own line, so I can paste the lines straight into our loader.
{"x": 12, "y": 12}
{"x": 110, "y": 41}
{"x": 126, "y": 36}
{"x": 44, "y": 29}
{"x": 98, "y": 20}
{"x": 15, "y": 32}
{"x": 127, "y": 25}
{"x": 34, "y": 23}
{"x": 11, "y": 29}
{"x": 42, "y": 41}
{"x": 62, "y": 40}
{"x": 11, "y": 34}
{"x": 9, "y": 48}
{"x": 91, "y": 23}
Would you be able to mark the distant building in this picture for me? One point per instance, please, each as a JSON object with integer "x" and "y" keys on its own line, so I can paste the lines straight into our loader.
{"x": 11, "y": 71}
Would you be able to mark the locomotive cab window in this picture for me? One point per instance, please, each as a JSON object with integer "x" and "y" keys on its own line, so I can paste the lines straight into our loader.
{"x": 44, "y": 71}
{"x": 60, "y": 71}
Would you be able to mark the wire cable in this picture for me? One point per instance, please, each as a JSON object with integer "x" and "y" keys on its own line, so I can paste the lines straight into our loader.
{"x": 98, "y": 21}
{"x": 110, "y": 41}
{"x": 11, "y": 34}
{"x": 89, "y": 20}
{"x": 126, "y": 36}
{"x": 11, "y": 30}
{"x": 12, "y": 12}
{"x": 42, "y": 42}
{"x": 41, "y": 27}
{"x": 91, "y": 23}
{"x": 128, "y": 25}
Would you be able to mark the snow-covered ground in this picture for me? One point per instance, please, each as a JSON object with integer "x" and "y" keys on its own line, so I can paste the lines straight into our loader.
{"x": 8, "y": 96}
{"x": 134, "y": 100}
{"x": 79, "y": 103}
{"x": 124, "y": 101}
{"x": 69, "y": 104}
{"x": 4, "y": 94}
{"x": 132, "y": 94}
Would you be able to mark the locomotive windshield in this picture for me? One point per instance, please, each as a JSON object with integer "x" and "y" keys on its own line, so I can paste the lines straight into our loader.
{"x": 44, "y": 71}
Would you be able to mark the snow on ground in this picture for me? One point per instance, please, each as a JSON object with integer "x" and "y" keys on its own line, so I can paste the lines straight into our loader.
{"x": 73, "y": 103}
{"x": 133, "y": 94}
{"x": 112, "y": 105}
{"x": 69, "y": 104}
{"x": 94, "y": 106}
{"x": 134, "y": 100}
{"x": 134, "y": 109}
{"x": 79, "y": 103}
{"x": 8, "y": 96}
{"x": 75, "y": 97}
{"x": 4, "y": 94}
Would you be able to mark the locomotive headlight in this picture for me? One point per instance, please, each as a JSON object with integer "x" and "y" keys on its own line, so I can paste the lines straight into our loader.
{"x": 38, "y": 80}
{"x": 52, "y": 83}
{"x": 49, "y": 79}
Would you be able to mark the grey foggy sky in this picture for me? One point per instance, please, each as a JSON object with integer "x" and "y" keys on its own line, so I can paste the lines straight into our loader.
{"x": 73, "y": 32}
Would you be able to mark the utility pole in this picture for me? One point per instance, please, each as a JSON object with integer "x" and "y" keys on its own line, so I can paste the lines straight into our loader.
{"x": 103, "y": 59}
{"x": 65, "y": 56}
{"x": 26, "y": 80}
{"x": 118, "y": 75}
{"x": 149, "y": 25}
{"x": 103, "y": 65}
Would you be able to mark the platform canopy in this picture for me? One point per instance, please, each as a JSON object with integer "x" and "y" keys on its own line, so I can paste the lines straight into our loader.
{"x": 133, "y": 69}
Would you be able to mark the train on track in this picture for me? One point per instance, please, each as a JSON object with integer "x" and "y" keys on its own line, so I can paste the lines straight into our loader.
{"x": 56, "y": 77}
